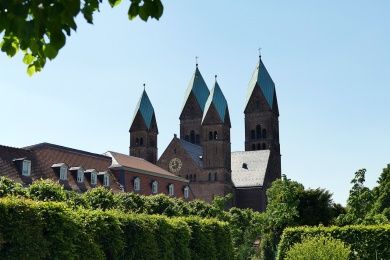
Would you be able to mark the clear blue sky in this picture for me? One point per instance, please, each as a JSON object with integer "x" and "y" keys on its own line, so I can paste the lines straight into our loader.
{"x": 330, "y": 61}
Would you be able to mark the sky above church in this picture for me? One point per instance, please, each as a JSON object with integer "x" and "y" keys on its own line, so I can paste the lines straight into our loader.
{"x": 330, "y": 62}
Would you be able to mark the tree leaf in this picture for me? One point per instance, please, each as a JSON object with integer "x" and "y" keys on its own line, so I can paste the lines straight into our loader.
{"x": 31, "y": 70}
{"x": 28, "y": 58}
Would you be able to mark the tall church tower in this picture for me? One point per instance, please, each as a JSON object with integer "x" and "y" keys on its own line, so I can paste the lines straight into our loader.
{"x": 262, "y": 116}
{"x": 216, "y": 141}
{"x": 193, "y": 107}
{"x": 144, "y": 131}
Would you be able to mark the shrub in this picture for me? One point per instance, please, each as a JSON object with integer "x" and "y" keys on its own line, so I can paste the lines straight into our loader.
{"x": 46, "y": 190}
{"x": 366, "y": 242}
{"x": 9, "y": 187}
{"x": 319, "y": 248}
{"x": 100, "y": 198}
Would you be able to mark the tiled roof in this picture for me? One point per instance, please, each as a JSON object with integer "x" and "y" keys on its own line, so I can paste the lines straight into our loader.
{"x": 145, "y": 107}
{"x": 198, "y": 87}
{"x": 44, "y": 157}
{"x": 193, "y": 150}
{"x": 218, "y": 100}
{"x": 249, "y": 168}
{"x": 120, "y": 160}
{"x": 261, "y": 79}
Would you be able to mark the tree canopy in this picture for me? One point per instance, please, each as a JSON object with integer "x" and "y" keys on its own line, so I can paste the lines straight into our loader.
{"x": 39, "y": 28}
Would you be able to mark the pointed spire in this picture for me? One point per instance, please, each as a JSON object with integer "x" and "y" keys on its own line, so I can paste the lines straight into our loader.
{"x": 198, "y": 88}
{"x": 262, "y": 79}
{"x": 145, "y": 107}
{"x": 218, "y": 100}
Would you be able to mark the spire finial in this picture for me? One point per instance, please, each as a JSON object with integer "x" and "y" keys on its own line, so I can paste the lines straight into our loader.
{"x": 259, "y": 49}
{"x": 196, "y": 60}
{"x": 215, "y": 77}
{"x": 144, "y": 86}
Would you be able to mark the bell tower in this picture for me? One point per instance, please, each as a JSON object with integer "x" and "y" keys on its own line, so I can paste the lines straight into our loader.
{"x": 193, "y": 107}
{"x": 262, "y": 116}
{"x": 144, "y": 131}
{"x": 216, "y": 140}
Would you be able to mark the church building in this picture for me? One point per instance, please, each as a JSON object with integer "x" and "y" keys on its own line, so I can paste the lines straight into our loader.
{"x": 202, "y": 153}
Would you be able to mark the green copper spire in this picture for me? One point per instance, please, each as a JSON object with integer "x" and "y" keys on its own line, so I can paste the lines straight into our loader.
{"x": 261, "y": 79}
{"x": 199, "y": 89}
{"x": 146, "y": 109}
{"x": 218, "y": 100}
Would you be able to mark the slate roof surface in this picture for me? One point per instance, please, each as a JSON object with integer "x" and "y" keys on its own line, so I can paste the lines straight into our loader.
{"x": 146, "y": 109}
{"x": 261, "y": 79}
{"x": 195, "y": 151}
{"x": 256, "y": 163}
{"x": 45, "y": 156}
{"x": 199, "y": 88}
{"x": 123, "y": 160}
{"x": 218, "y": 100}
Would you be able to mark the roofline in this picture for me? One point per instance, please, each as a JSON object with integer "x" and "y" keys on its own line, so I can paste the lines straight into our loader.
{"x": 248, "y": 187}
{"x": 59, "y": 147}
{"x": 173, "y": 177}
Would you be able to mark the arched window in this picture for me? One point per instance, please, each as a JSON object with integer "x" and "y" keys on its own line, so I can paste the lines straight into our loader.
{"x": 258, "y": 132}
{"x": 194, "y": 177}
{"x": 197, "y": 139}
{"x": 210, "y": 135}
{"x": 187, "y": 177}
{"x": 187, "y": 138}
{"x": 137, "y": 184}
{"x": 136, "y": 141}
{"x": 253, "y": 147}
{"x": 190, "y": 177}
{"x": 209, "y": 176}
{"x": 141, "y": 141}
{"x": 171, "y": 190}
{"x": 154, "y": 187}
{"x": 215, "y": 176}
{"x": 253, "y": 134}
{"x": 264, "y": 146}
{"x": 264, "y": 133}
{"x": 186, "y": 192}
{"x": 192, "y": 137}
{"x": 215, "y": 135}
{"x": 258, "y": 147}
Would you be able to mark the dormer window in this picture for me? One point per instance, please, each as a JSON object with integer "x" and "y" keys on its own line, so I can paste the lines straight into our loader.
{"x": 93, "y": 178}
{"x": 137, "y": 184}
{"x": 63, "y": 172}
{"x": 26, "y": 168}
{"x": 171, "y": 190}
{"x": 106, "y": 180}
{"x": 154, "y": 187}
{"x": 186, "y": 192}
{"x": 80, "y": 175}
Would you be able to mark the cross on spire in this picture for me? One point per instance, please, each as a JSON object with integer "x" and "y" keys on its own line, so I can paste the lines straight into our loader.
{"x": 144, "y": 86}
{"x": 259, "y": 49}
{"x": 215, "y": 77}
{"x": 196, "y": 60}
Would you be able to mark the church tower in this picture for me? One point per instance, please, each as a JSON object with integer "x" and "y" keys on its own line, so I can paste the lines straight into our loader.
{"x": 144, "y": 131}
{"x": 216, "y": 141}
{"x": 262, "y": 116}
{"x": 193, "y": 107}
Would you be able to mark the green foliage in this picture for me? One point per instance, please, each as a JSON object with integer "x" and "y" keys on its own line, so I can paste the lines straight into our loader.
{"x": 46, "y": 190}
{"x": 100, "y": 198}
{"x": 366, "y": 242}
{"x": 52, "y": 230}
{"x": 319, "y": 248}
{"x": 39, "y": 28}
{"x": 9, "y": 187}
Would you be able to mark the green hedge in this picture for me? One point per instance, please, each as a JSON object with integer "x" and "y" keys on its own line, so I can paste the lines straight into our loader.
{"x": 46, "y": 230}
{"x": 367, "y": 242}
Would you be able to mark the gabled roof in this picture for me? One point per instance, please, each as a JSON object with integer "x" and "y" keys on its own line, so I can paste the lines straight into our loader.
{"x": 261, "y": 79}
{"x": 139, "y": 165}
{"x": 194, "y": 151}
{"x": 145, "y": 107}
{"x": 249, "y": 168}
{"x": 218, "y": 100}
{"x": 198, "y": 88}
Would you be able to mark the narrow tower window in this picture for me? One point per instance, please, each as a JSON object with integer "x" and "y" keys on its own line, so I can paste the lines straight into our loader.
{"x": 136, "y": 141}
{"x": 258, "y": 147}
{"x": 258, "y": 132}
{"x": 215, "y": 135}
{"x": 215, "y": 176}
{"x": 264, "y": 146}
{"x": 264, "y": 133}
{"x": 192, "y": 136}
{"x": 210, "y": 135}
{"x": 141, "y": 142}
{"x": 253, "y": 147}
{"x": 209, "y": 176}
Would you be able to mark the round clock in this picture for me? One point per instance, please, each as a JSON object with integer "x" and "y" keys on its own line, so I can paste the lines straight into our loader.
{"x": 175, "y": 165}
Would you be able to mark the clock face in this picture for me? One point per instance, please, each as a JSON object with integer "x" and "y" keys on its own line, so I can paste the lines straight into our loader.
{"x": 175, "y": 165}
